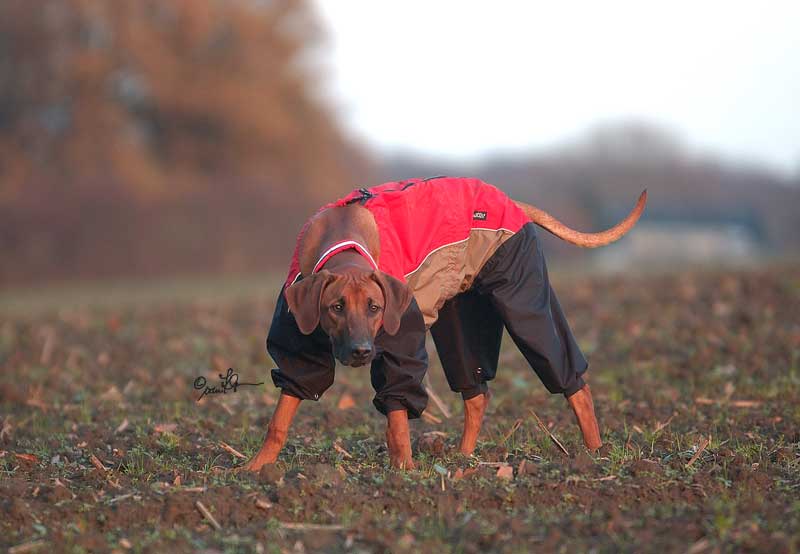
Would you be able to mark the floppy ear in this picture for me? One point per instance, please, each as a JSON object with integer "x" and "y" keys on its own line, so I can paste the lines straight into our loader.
{"x": 397, "y": 297}
{"x": 304, "y": 298}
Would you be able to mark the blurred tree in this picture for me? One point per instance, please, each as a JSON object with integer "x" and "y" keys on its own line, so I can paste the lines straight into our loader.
{"x": 172, "y": 111}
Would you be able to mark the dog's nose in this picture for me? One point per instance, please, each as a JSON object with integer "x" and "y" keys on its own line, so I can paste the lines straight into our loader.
{"x": 361, "y": 351}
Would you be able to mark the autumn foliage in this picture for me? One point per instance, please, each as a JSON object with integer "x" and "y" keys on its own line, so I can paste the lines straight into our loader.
{"x": 148, "y": 137}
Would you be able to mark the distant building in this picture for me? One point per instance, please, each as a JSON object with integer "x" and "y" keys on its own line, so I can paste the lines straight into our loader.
{"x": 664, "y": 237}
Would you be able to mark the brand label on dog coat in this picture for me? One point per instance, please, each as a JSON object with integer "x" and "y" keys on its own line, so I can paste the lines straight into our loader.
{"x": 479, "y": 215}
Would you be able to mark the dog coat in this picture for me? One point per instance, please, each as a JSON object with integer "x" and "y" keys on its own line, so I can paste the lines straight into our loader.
{"x": 435, "y": 234}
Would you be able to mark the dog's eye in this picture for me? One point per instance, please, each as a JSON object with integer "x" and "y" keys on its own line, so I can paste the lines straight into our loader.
{"x": 338, "y": 307}
{"x": 374, "y": 308}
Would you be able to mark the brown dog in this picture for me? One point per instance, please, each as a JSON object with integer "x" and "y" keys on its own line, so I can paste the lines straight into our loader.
{"x": 351, "y": 302}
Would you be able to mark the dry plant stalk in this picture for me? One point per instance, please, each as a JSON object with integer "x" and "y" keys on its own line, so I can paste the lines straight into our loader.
{"x": 430, "y": 418}
{"x": 206, "y": 514}
{"x": 661, "y": 425}
{"x": 26, "y": 547}
{"x": 703, "y": 445}
{"x": 312, "y": 526}
{"x": 511, "y": 431}
{"x": 703, "y": 400}
{"x": 232, "y": 450}
{"x": 544, "y": 428}
{"x": 341, "y": 450}
{"x": 435, "y": 397}
{"x": 97, "y": 463}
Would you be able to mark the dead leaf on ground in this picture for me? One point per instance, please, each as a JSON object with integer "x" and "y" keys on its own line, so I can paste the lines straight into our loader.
{"x": 6, "y": 429}
{"x": 122, "y": 426}
{"x": 36, "y": 398}
{"x": 263, "y": 504}
{"x": 27, "y": 457}
{"x": 505, "y": 472}
{"x": 346, "y": 402}
{"x": 462, "y": 473}
{"x": 113, "y": 394}
{"x": 165, "y": 427}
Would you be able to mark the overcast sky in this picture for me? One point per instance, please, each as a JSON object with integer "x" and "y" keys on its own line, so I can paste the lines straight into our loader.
{"x": 463, "y": 78}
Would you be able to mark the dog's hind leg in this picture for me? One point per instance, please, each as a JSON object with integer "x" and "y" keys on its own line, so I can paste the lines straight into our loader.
{"x": 474, "y": 409}
{"x": 583, "y": 406}
{"x": 468, "y": 335}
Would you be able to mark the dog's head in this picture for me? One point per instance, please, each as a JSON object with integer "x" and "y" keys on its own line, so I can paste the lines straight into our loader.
{"x": 351, "y": 307}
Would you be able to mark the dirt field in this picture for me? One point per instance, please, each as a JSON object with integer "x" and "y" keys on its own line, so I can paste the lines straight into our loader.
{"x": 103, "y": 446}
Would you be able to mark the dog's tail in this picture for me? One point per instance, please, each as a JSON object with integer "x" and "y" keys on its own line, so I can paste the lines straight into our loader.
{"x": 587, "y": 240}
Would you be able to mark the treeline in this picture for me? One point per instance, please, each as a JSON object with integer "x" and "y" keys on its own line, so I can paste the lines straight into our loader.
{"x": 149, "y": 137}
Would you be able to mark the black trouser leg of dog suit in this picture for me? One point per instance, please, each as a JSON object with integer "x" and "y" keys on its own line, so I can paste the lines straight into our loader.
{"x": 306, "y": 366}
{"x": 467, "y": 335}
{"x": 511, "y": 290}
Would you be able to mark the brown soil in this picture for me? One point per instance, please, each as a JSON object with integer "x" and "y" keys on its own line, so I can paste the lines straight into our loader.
{"x": 675, "y": 359}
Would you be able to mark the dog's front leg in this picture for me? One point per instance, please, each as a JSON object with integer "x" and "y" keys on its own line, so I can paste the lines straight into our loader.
{"x": 276, "y": 433}
{"x": 398, "y": 439}
{"x": 474, "y": 408}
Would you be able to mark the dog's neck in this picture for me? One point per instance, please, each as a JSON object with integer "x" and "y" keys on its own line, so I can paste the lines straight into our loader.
{"x": 333, "y": 226}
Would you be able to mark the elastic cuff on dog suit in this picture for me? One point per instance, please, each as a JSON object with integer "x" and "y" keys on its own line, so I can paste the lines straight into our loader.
{"x": 578, "y": 385}
{"x": 387, "y": 405}
{"x": 294, "y": 394}
{"x": 472, "y": 392}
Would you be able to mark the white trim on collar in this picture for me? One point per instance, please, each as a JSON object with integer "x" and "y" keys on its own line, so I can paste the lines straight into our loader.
{"x": 339, "y": 247}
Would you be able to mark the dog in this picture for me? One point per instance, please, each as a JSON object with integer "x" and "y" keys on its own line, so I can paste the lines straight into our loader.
{"x": 376, "y": 270}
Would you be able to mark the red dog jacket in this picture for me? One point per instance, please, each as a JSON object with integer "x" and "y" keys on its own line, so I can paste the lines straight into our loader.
{"x": 435, "y": 234}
